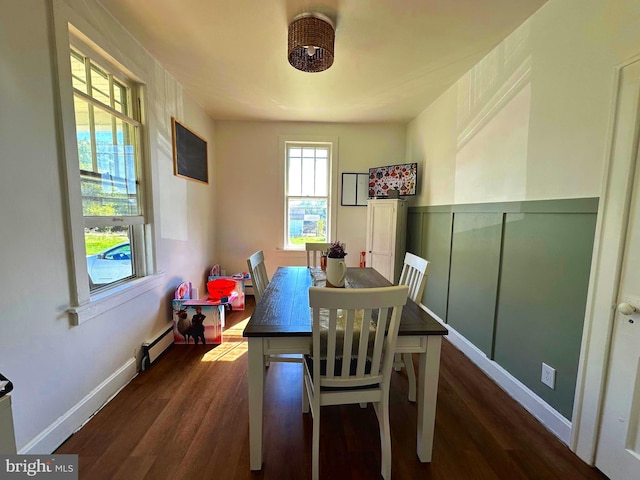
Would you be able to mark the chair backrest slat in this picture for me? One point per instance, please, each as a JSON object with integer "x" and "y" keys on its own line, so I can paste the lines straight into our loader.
{"x": 347, "y": 341}
{"x": 363, "y": 344}
{"x": 331, "y": 345}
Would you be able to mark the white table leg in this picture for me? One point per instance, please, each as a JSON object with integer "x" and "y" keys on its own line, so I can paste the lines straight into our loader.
{"x": 256, "y": 400}
{"x": 427, "y": 396}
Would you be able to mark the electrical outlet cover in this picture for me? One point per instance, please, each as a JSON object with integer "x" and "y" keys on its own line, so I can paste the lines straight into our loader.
{"x": 548, "y": 376}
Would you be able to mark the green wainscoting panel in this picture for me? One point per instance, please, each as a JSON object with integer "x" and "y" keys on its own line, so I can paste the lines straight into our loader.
{"x": 512, "y": 277}
{"x": 436, "y": 247}
{"x": 542, "y": 298}
{"x": 473, "y": 280}
{"x": 414, "y": 233}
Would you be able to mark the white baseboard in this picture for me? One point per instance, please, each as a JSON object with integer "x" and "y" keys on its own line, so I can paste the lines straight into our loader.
{"x": 56, "y": 433}
{"x": 541, "y": 410}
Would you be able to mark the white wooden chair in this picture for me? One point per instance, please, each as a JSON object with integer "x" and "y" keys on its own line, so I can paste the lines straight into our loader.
{"x": 314, "y": 252}
{"x": 346, "y": 366}
{"x": 414, "y": 275}
{"x": 260, "y": 281}
{"x": 258, "y": 271}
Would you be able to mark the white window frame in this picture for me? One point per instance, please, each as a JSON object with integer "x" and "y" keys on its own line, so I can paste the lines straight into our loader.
{"x": 331, "y": 142}
{"x": 69, "y": 29}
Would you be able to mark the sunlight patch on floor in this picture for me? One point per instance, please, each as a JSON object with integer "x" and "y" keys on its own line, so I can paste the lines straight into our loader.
{"x": 228, "y": 351}
{"x": 238, "y": 328}
{"x": 233, "y": 345}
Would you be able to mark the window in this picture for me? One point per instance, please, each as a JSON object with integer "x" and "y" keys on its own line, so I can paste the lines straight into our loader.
{"x": 308, "y": 193}
{"x": 108, "y": 219}
{"x": 107, "y": 135}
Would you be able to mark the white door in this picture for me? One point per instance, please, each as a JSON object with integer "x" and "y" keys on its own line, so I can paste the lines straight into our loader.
{"x": 618, "y": 453}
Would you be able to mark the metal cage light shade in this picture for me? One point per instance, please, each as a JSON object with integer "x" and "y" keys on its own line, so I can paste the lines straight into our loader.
{"x": 311, "y": 42}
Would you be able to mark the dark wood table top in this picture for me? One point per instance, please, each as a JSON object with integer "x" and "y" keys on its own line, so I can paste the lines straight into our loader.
{"x": 283, "y": 310}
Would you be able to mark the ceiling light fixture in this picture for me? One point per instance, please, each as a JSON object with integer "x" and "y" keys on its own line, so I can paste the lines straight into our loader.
{"x": 311, "y": 41}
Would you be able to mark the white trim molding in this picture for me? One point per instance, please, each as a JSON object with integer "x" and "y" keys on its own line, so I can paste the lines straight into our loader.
{"x": 114, "y": 297}
{"x": 536, "y": 406}
{"x": 72, "y": 420}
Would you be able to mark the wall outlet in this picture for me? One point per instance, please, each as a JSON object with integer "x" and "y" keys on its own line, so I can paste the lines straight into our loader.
{"x": 548, "y": 376}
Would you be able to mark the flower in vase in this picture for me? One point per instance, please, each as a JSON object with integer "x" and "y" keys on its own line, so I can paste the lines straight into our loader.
{"x": 336, "y": 250}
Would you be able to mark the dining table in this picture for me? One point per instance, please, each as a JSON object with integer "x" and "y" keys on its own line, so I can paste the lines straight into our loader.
{"x": 281, "y": 325}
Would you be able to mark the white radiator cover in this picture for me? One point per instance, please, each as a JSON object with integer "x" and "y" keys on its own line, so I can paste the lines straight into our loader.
{"x": 152, "y": 349}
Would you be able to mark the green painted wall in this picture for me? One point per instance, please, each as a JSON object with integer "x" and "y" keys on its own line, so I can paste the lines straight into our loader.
{"x": 473, "y": 277}
{"x": 512, "y": 278}
{"x": 429, "y": 236}
{"x": 414, "y": 233}
{"x": 543, "y": 290}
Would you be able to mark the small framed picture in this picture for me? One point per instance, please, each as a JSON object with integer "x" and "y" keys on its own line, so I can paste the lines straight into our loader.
{"x": 355, "y": 189}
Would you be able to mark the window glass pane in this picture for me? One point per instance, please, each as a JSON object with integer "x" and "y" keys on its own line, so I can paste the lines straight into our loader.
{"x": 100, "y": 85}
{"x": 109, "y": 187}
{"x": 83, "y": 132}
{"x": 78, "y": 73}
{"x": 294, "y": 177}
{"x": 109, "y": 255}
{"x": 105, "y": 141}
{"x": 308, "y": 176}
{"x": 307, "y": 220}
{"x": 322, "y": 188}
{"x": 295, "y": 152}
{"x": 120, "y": 97}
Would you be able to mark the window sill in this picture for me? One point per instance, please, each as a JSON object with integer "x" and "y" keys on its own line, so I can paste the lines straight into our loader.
{"x": 105, "y": 301}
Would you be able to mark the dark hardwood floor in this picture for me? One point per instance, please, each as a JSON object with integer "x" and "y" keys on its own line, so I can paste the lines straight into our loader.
{"x": 186, "y": 417}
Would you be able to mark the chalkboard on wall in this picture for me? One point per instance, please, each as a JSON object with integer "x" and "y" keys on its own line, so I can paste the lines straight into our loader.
{"x": 189, "y": 153}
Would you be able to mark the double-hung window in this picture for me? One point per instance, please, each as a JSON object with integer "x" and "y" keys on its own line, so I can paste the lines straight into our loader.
{"x": 308, "y": 193}
{"x": 107, "y": 130}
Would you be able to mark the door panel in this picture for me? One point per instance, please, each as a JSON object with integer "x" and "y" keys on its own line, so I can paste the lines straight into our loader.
{"x": 381, "y": 237}
{"x": 618, "y": 451}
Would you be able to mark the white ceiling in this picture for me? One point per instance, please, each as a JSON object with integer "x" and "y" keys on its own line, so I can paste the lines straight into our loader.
{"x": 392, "y": 57}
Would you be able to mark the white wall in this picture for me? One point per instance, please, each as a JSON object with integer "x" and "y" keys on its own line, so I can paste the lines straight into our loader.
{"x": 250, "y": 175}
{"x": 54, "y": 366}
{"x": 530, "y": 121}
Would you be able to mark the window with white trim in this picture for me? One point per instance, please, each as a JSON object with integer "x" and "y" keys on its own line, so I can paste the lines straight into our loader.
{"x": 307, "y": 193}
{"x": 107, "y": 129}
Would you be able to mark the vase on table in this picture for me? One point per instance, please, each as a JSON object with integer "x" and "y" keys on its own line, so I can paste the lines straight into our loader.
{"x": 336, "y": 272}
{"x": 323, "y": 262}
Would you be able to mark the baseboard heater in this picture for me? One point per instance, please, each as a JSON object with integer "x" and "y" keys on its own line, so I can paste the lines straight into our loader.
{"x": 152, "y": 349}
